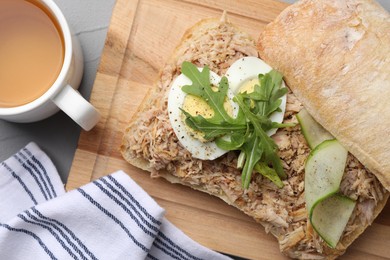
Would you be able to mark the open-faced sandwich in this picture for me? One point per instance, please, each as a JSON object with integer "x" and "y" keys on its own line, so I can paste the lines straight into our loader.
{"x": 222, "y": 121}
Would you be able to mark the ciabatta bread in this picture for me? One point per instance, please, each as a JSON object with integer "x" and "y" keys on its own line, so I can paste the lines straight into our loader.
{"x": 335, "y": 56}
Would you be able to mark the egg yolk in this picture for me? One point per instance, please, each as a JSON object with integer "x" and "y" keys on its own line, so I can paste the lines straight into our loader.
{"x": 197, "y": 106}
{"x": 249, "y": 86}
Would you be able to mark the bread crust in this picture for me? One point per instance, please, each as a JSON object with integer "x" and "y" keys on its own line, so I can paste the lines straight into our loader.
{"x": 335, "y": 56}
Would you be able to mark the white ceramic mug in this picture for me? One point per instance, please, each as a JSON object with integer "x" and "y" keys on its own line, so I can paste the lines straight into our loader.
{"x": 62, "y": 94}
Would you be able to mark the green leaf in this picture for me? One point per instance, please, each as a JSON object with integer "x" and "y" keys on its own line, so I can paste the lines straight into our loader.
{"x": 270, "y": 90}
{"x": 268, "y": 145}
{"x": 254, "y": 96}
{"x": 210, "y": 129}
{"x": 202, "y": 88}
{"x": 273, "y": 107}
{"x": 279, "y": 125}
{"x": 276, "y": 78}
{"x": 235, "y": 141}
{"x": 269, "y": 173}
{"x": 253, "y": 152}
{"x": 279, "y": 93}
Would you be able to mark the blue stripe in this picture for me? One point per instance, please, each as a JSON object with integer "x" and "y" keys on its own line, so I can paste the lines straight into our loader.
{"x": 79, "y": 242}
{"x": 163, "y": 236}
{"x": 44, "y": 247}
{"x": 40, "y": 165}
{"x": 173, "y": 245}
{"x": 32, "y": 175}
{"x": 20, "y": 182}
{"x": 158, "y": 241}
{"x": 105, "y": 211}
{"x": 166, "y": 252}
{"x": 151, "y": 257}
{"x": 123, "y": 206}
{"x": 67, "y": 249}
{"x": 48, "y": 224}
{"x": 143, "y": 210}
{"x": 145, "y": 221}
{"x": 31, "y": 165}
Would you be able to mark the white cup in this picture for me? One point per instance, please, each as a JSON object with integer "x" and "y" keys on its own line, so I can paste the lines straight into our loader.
{"x": 62, "y": 94}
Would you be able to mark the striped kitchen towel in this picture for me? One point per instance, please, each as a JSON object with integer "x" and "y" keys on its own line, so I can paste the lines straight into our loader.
{"x": 110, "y": 218}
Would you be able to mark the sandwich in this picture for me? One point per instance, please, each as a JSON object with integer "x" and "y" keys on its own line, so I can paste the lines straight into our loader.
{"x": 272, "y": 189}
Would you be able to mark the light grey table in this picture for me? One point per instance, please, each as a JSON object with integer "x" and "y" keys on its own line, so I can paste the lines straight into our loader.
{"x": 58, "y": 135}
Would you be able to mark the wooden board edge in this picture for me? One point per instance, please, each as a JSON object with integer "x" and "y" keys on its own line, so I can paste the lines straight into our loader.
{"x": 114, "y": 43}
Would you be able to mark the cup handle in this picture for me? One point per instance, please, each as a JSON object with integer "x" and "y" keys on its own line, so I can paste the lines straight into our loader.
{"x": 76, "y": 107}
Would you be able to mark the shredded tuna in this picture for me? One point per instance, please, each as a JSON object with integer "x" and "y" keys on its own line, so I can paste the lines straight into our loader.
{"x": 292, "y": 239}
{"x": 281, "y": 211}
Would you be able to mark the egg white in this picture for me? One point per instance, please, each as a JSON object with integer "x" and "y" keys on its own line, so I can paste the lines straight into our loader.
{"x": 198, "y": 149}
{"x": 240, "y": 72}
{"x": 248, "y": 68}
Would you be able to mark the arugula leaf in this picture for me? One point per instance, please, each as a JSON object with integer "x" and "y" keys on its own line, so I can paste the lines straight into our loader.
{"x": 269, "y": 173}
{"x": 235, "y": 141}
{"x": 253, "y": 152}
{"x": 247, "y": 131}
{"x": 211, "y": 129}
{"x": 268, "y": 145}
{"x": 201, "y": 87}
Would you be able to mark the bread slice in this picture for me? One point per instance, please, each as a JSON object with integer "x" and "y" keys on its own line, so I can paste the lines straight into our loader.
{"x": 150, "y": 144}
{"x": 335, "y": 56}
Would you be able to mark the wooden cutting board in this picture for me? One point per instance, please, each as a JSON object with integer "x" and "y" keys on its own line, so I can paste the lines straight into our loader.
{"x": 142, "y": 35}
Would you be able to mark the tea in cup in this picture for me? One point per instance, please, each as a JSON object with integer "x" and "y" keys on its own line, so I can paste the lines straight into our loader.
{"x": 41, "y": 64}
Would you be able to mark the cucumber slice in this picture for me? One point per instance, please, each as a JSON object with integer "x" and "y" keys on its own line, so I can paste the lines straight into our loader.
{"x": 323, "y": 171}
{"x": 314, "y": 133}
{"x": 328, "y": 212}
{"x": 330, "y": 217}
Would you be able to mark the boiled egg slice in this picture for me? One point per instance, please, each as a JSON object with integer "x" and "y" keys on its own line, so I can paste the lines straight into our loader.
{"x": 243, "y": 75}
{"x": 179, "y": 99}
